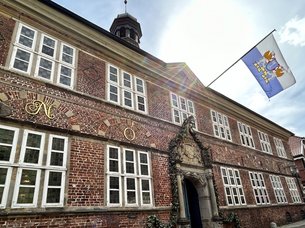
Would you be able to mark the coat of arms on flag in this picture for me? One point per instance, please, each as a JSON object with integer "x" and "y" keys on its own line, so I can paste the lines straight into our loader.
{"x": 268, "y": 66}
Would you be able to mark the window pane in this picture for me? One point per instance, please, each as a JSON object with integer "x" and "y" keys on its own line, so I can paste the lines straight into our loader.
{"x": 130, "y": 168}
{"x": 131, "y": 184}
{"x": 131, "y": 197}
{"x": 127, "y": 80}
{"x": 55, "y": 178}
{"x": 65, "y": 76}
{"x": 26, "y": 195}
{"x": 6, "y": 136}
{"x": 143, "y": 158}
{"x": 1, "y": 193}
{"x": 57, "y": 159}
{"x": 144, "y": 169}
{"x": 113, "y": 166}
{"x": 145, "y": 185}
{"x": 58, "y": 144}
{"x": 26, "y": 37}
{"x": 114, "y": 183}
{"x": 31, "y": 156}
{"x": 114, "y": 196}
{"x": 140, "y": 85}
{"x": 48, "y": 46}
{"x": 28, "y": 177}
{"x": 113, "y": 93}
{"x": 53, "y": 195}
{"x": 5, "y": 153}
{"x": 22, "y": 60}
{"x": 3, "y": 173}
{"x": 67, "y": 55}
{"x": 33, "y": 140}
{"x": 113, "y": 153}
{"x": 45, "y": 68}
{"x": 146, "y": 197}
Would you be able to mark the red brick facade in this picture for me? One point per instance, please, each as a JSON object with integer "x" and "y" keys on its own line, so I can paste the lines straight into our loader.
{"x": 84, "y": 115}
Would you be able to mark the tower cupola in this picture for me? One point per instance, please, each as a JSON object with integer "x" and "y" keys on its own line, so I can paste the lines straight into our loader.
{"x": 127, "y": 28}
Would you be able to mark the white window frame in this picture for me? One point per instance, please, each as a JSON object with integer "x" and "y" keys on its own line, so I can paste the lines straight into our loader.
{"x": 264, "y": 141}
{"x": 5, "y": 186}
{"x": 123, "y": 175}
{"x": 61, "y": 187}
{"x": 182, "y": 113}
{"x": 36, "y": 55}
{"x": 15, "y": 204}
{"x": 41, "y": 169}
{"x": 121, "y": 89}
{"x": 221, "y": 127}
{"x": 278, "y": 189}
{"x": 64, "y": 152}
{"x": 293, "y": 189}
{"x": 259, "y": 188}
{"x": 52, "y": 168}
{"x": 246, "y": 137}
{"x": 142, "y": 191}
{"x": 235, "y": 189}
{"x": 24, "y": 147}
{"x": 114, "y": 174}
{"x": 280, "y": 149}
{"x": 13, "y": 145}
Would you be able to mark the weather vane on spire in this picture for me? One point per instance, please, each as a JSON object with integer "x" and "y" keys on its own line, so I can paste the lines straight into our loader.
{"x": 125, "y": 1}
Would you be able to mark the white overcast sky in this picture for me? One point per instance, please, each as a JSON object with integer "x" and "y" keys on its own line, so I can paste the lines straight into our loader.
{"x": 210, "y": 35}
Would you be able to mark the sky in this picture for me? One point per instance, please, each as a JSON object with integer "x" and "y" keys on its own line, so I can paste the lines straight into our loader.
{"x": 212, "y": 35}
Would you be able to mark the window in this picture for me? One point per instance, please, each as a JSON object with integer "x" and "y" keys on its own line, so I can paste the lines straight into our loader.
{"x": 279, "y": 148}
{"x": 126, "y": 90}
{"x": 259, "y": 188}
{"x": 36, "y": 166}
{"x": 264, "y": 140}
{"x": 182, "y": 109}
{"x": 295, "y": 196}
{"x": 278, "y": 189}
{"x": 38, "y": 54}
{"x": 128, "y": 178}
{"x": 245, "y": 135}
{"x": 221, "y": 126}
{"x": 8, "y": 143}
{"x": 233, "y": 187}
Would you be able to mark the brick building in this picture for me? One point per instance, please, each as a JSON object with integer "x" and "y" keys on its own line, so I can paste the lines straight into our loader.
{"x": 96, "y": 132}
{"x": 297, "y": 145}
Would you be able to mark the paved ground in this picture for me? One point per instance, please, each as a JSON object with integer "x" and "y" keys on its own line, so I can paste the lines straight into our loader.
{"x": 300, "y": 224}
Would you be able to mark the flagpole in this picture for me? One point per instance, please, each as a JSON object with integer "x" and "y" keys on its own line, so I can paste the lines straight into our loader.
{"x": 240, "y": 58}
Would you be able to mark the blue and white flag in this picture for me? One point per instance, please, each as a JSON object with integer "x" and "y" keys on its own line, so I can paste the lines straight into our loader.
{"x": 268, "y": 66}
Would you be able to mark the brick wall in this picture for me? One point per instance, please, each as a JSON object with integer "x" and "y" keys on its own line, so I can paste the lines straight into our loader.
{"x": 6, "y": 31}
{"x": 88, "y": 220}
{"x": 91, "y": 75}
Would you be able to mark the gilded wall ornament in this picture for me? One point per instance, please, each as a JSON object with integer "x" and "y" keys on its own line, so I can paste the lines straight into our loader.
{"x": 34, "y": 107}
{"x": 129, "y": 134}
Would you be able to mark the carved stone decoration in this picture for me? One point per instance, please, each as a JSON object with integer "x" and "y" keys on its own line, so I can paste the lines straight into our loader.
{"x": 5, "y": 110}
{"x": 202, "y": 178}
{"x": 189, "y": 148}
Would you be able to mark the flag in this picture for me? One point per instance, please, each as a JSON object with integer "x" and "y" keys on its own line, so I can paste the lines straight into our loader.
{"x": 267, "y": 64}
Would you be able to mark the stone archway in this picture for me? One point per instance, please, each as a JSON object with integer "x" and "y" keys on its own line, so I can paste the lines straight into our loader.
{"x": 192, "y": 162}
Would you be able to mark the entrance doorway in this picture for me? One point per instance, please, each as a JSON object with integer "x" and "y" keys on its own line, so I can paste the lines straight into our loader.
{"x": 192, "y": 204}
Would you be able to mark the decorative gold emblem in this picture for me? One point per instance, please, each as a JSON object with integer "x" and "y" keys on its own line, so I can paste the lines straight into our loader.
{"x": 35, "y": 106}
{"x": 129, "y": 134}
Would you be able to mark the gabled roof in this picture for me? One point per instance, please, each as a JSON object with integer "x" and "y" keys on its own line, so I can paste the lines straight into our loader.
{"x": 181, "y": 73}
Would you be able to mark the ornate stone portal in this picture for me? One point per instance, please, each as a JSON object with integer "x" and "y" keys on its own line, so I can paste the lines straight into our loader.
{"x": 192, "y": 161}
